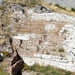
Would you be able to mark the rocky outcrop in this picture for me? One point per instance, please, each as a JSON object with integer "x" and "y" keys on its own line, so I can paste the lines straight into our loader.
{"x": 1, "y": 2}
{"x": 41, "y": 9}
{"x": 50, "y": 16}
{"x": 16, "y": 64}
{"x": 69, "y": 44}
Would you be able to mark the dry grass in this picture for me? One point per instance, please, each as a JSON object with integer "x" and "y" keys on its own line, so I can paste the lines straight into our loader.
{"x": 73, "y": 73}
{"x": 59, "y": 10}
{"x": 3, "y": 66}
{"x": 2, "y": 40}
{"x": 47, "y": 70}
{"x": 1, "y": 7}
{"x": 28, "y": 3}
{"x": 34, "y": 26}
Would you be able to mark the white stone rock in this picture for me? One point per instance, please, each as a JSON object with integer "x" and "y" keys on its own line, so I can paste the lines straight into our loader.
{"x": 25, "y": 36}
{"x": 50, "y": 16}
{"x": 62, "y": 64}
{"x": 2, "y": 54}
{"x": 69, "y": 43}
{"x": 49, "y": 27}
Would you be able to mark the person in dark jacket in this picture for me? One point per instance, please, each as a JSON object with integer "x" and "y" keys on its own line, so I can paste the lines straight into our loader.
{"x": 16, "y": 64}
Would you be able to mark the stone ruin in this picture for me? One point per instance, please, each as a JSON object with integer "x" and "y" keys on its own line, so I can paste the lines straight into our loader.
{"x": 16, "y": 64}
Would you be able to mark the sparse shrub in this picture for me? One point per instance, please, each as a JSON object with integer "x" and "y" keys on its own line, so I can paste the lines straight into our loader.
{"x": 67, "y": 73}
{"x": 27, "y": 48}
{"x": 5, "y": 53}
{"x": 16, "y": 20}
{"x": 48, "y": 70}
{"x": 2, "y": 71}
{"x": 22, "y": 4}
{"x": 73, "y": 9}
{"x": 47, "y": 53}
{"x": 57, "y": 5}
{"x": 25, "y": 67}
{"x": 61, "y": 49}
{"x": 64, "y": 8}
{"x": 35, "y": 68}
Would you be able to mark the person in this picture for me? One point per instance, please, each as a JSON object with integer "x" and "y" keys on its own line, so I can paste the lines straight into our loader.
{"x": 20, "y": 43}
{"x": 11, "y": 45}
{"x": 16, "y": 64}
{"x": 10, "y": 41}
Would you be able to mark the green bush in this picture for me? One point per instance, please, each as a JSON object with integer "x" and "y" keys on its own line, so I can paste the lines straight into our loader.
{"x": 46, "y": 70}
{"x": 25, "y": 67}
{"x": 61, "y": 50}
{"x": 64, "y": 8}
{"x": 57, "y": 5}
{"x": 73, "y": 9}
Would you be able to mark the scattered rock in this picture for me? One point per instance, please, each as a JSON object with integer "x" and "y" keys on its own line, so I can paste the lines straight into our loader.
{"x": 41, "y": 9}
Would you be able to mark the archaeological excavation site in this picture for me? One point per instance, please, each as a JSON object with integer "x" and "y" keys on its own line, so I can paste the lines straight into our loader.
{"x": 37, "y": 37}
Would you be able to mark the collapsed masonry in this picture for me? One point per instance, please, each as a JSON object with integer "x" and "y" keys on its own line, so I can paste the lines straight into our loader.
{"x": 16, "y": 64}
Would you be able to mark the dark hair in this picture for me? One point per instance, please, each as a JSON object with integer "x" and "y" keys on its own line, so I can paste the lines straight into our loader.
{"x": 10, "y": 40}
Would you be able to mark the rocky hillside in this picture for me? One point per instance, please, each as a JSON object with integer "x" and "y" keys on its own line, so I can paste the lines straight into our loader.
{"x": 64, "y": 3}
{"x": 39, "y": 34}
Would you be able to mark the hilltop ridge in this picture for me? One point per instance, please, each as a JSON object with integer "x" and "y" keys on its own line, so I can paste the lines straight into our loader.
{"x": 64, "y": 3}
